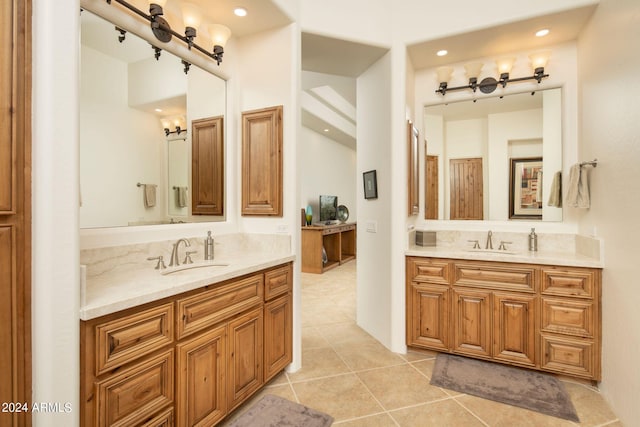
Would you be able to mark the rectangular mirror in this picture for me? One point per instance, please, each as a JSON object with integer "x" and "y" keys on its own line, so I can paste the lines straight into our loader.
{"x": 127, "y": 99}
{"x": 471, "y": 146}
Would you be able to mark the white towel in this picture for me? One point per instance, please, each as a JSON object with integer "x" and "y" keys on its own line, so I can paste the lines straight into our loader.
{"x": 182, "y": 197}
{"x": 149, "y": 195}
{"x": 578, "y": 191}
{"x": 555, "y": 193}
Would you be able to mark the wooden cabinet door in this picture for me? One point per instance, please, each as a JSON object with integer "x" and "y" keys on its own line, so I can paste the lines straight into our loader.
{"x": 262, "y": 162}
{"x": 15, "y": 208}
{"x": 514, "y": 332}
{"x": 245, "y": 370}
{"x": 431, "y": 187}
{"x": 201, "y": 387}
{"x": 466, "y": 189}
{"x": 428, "y": 316}
{"x": 472, "y": 322}
{"x": 278, "y": 335}
{"x": 207, "y": 170}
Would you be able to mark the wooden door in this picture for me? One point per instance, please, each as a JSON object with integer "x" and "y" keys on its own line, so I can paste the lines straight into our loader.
{"x": 278, "y": 323}
{"x": 514, "y": 328}
{"x": 15, "y": 208}
{"x": 201, "y": 387}
{"x": 428, "y": 316}
{"x": 207, "y": 171}
{"x": 466, "y": 201}
{"x": 245, "y": 370}
{"x": 472, "y": 322}
{"x": 431, "y": 188}
{"x": 262, "y": 162}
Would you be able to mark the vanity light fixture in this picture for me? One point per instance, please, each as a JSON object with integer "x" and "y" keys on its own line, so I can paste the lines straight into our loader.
{"x": 192, "y": 16}
{"x": 489, "y": 84}
{"x": 178, "y": 123}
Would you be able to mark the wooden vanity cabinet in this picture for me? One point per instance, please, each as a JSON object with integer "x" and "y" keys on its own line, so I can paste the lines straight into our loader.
{"x": 187, "y": 360}
{"x": 536, "y": 316}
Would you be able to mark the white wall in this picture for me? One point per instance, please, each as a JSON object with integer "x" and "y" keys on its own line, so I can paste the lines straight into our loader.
{"x": 326, "y": 167}
{"x": 609, "y": 65}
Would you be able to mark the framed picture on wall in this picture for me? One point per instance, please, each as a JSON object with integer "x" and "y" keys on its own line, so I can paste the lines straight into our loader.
{"x": 525, "y": 188}
{"x": 370, "y": 184}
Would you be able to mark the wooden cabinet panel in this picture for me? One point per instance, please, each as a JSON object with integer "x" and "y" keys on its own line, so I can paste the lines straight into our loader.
{"x": 431, "y": 187}
{"x": 494, "y": 275}
{"x": 429, "y": 270}
{"x": 570, "y": 356}
{"x": 573, "y": 317}
{"x": 568, "y": 282}
{"x": 262, "y": 164}
{"x": 132, "y": 395}
{"x": 127, "y": 338}
{"x": 165, "y": 419}
{"x": 338, "y": 242}
{"x": 7, "y": 324}
{"x": 201, "y": 388}
{"x": 278, "y": 333}
{"x": 204, "y": 309}
{"x": 207, "y": 166}
{"x": 245, "y": 370}
{"x": 428, "y": 316}
{"x": 471, "y": 322}
{"x": 514, "y": 332}
{"x": 277, "y": 282}
{"x": 466, "y": 189}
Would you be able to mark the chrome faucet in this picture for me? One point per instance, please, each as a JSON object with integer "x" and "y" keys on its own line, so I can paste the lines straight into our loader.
{"x": 175, "y": 260}
{"x": 489, "y": 244}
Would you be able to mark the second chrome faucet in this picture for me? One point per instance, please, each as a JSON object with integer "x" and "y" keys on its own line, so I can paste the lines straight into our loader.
{"x": 489, "y": 244}
{"x": 175, "y": 260}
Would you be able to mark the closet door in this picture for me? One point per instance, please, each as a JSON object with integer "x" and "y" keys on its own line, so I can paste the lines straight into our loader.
{"x": 15, "y": 210}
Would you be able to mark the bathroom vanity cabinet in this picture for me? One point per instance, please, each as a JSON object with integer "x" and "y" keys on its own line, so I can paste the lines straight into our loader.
{"x": 189, "y": 359}
{"x": 543, "y": 317}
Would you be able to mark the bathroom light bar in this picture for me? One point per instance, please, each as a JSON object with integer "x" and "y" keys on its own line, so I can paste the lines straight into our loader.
{"x": 489, "y": 84}
{"x": 163, "y": 32}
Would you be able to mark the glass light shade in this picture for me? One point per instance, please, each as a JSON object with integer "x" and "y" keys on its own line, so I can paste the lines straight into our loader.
{"x": 166, "y": 123}
{"x": 191, "y": 15}
{"x": 505, "y": 65}
{"x": 473, "y": 69}
{"x": 219, "y": 34}
{"x": 539, "y": 59}
{"x": 444, "y": 74}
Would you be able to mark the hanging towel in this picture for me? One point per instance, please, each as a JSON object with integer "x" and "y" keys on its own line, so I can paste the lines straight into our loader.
{"x": 539, "y": 187}
{"x": 578, "y": 191}
{"x": 181, "y": 200}
{"x": 555, "y": 196}
{"x": 149, "y": 195}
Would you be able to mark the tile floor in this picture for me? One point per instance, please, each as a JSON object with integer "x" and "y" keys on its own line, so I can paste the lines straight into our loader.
{"x": 351, "y": 376}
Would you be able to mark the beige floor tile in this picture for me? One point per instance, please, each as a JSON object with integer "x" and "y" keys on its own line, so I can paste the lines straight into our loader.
{"x": 425, "y": 366}
{"x": 438, "y": 414}
{"x": 498, "y": 414}
{"x": 318, "y": 363}
{"x": 400, "y": 386}
{"x": 366, "y": 355}
{"x": 415, "y": 355}
{"x": 590, "y": 405}
{"x": 311, "y": 338}
{"x": 279, "y": 379}
{"x": 380, "y": 420}
{"x": 344, "y": 332}
{"x": 343, "y": 397}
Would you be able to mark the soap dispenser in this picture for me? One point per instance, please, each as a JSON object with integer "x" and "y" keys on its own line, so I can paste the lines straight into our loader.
{"x": 533, "y": 241}
{"x": 208, "y": 247}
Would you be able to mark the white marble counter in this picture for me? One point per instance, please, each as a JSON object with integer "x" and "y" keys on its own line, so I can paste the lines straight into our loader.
{"x": 121, "y": 278}
{"x": 541, "y": 257}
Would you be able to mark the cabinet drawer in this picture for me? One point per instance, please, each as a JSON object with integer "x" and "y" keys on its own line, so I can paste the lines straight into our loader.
{"x": 428, "y": 270}
{"x": 572, "y": 317}
{"x": 123, "y": 340}
{"x": 571, "y": 356}
{"x": 568, "y": 282}
{"x": 135, "y": 394}
{"x": 205, "y": 309}
{"x": 165, "y": 419}
{"x": 277, "y": 282}
{"x": 494, "y": 275}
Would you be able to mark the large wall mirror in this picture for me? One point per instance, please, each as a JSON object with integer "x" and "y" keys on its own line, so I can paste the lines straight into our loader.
{"x": 127, "y": 98}
{"x": 472, "y": 147}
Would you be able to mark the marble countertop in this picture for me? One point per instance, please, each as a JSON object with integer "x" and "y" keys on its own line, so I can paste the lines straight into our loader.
{"x": 541, "y": 257}
{"x": 113, "y": 291}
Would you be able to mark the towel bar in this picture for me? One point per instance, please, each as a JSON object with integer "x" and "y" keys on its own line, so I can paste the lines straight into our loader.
{"x": 593, "y": 163}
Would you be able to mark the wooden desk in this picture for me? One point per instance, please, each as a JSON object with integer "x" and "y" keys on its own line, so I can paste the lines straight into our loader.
{"x": 339, "y": 242}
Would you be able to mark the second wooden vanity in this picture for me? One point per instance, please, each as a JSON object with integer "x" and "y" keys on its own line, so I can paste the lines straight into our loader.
{"x": 543, "y": 317}
{"x": 189, "y": 359}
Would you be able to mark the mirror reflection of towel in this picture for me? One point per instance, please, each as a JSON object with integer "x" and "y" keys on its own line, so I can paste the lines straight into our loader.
{"x": 555, "y": 196}
{"x": 181, "y": 199}
{"x": 578, "y": 191}
{"x": 149, "y": 195}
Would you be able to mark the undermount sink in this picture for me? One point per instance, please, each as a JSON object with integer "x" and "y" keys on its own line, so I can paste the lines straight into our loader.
{"x": 493, "y": 251}
{"x": 200, "y": 265}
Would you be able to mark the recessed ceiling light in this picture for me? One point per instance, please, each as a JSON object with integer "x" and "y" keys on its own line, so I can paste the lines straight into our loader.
{"x": 542, "y": 33}
{"x": 158, "y": 110}
{"x": 442, "y": 52}
{"x": 240, "y": 11}
{"x": 326, "y": 130}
